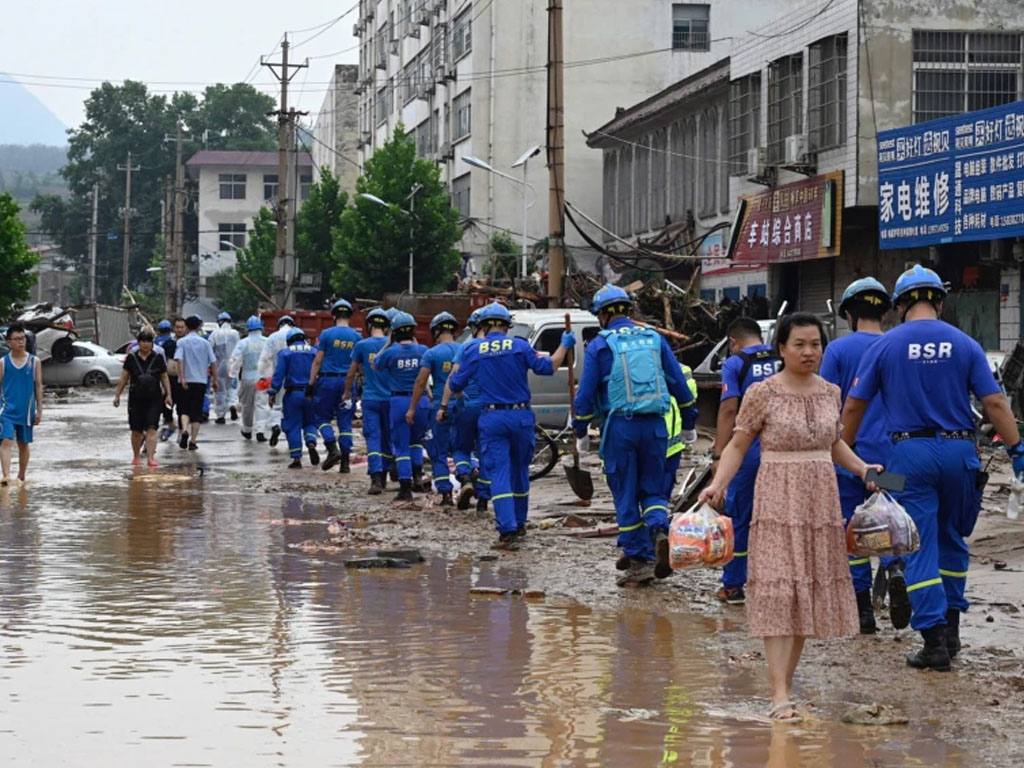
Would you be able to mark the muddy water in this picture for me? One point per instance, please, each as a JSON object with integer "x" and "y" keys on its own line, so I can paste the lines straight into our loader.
{"x": 168, "y": 623}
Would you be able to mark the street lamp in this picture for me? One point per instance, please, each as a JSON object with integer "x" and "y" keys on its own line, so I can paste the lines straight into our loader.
{"x": 523, "y": 160}
{"x": 411, "y": 213}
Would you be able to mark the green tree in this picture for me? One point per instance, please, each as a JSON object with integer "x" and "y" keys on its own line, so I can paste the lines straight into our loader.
{"x": 238, "y": 110}
{"x": 315, "y": 226}
{"x": 256, "y": 262}
{"x": 16, "y": 261}
{"x": 372, "y": 244}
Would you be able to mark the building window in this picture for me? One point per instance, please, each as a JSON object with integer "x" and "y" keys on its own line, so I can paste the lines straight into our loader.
{"x": 305, "y": 185}
{"x": 269, "y": 186}
{"x": 659, "y": 179}
{"x": 826, "y": 93}
{"x": 410, "y": 82}
{"x": 757, "y": 289}
{"x": 707, "y": 294}
{"x": 463, "y": 115}
{"x": 232, "y": 186}
{"x": 690, "y": 27}
{"x": 709, "y": 161}
{"x": 424, "y": 145}
{"x": 229, "y": 235}
{"x": 610, "y": 167}
{"x": 785, "y": 104}
{"x": 382, "y": 105}
{"x": 462, "y": 34}
{"x": 957, "y": 72}
{"x": 744, "y": 120}
{"x": 460, "y": 195}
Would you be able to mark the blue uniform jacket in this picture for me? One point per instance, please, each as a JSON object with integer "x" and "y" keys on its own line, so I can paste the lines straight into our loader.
{"x": 592, "y": 394}
{"x": 471, "y": 394}
{"x": 375, "y": 383}
{"x": 401, "y": 363}
{"x": 439, "y": 360}
{"x": 337, "y": 344}
{"x": 499, "y": 364}
{"x": 839, "y": 366}
{"x": 293, "y": 366}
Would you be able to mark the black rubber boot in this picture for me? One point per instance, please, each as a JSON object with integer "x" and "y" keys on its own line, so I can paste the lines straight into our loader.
{"x": 314, "y": 457}
{"x": 275, "y": 435}
{"x": 662, "y": 569}
{"x": 234, "y": 413}
{"x": 393, "y": 473}
{"x": 446, "y": 500}
{"x": 481, "y": 505}
{"x": 953, "y": 632}
{"x": 296, "y": 464}
{"x": 404, "y": 491}
{"x": 376, "y": 484}
{"x": 866, "y": 612}
{"x": 333, "y": 455}
{"x": 899, "y": 603}
{"x": 247, "y": 435}
{"x": 343, "y": 466}
{"x": 260, "y": 437}
{"x": 417, "y": 479}
{"x": 466, "y": 494}
{"x": 934, "y": 654}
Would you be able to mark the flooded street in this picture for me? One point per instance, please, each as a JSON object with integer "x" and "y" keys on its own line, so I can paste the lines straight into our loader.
{"x": 167, "y": 622}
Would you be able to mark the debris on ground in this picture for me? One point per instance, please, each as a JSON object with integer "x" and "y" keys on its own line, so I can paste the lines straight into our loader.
{"x": 529, "y": 594}
{"x": 377, "y": 562}
{"x": 874, "y": 714}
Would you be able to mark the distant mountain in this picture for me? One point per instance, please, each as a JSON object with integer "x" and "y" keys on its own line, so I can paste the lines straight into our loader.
{"x": 26, "y": 120}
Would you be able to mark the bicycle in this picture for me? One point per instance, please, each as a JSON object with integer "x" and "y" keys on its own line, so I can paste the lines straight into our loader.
{"x": 547, "y": 450}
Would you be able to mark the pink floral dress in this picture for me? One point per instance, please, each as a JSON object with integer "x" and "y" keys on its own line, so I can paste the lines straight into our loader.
{"x": 799, "y": 579}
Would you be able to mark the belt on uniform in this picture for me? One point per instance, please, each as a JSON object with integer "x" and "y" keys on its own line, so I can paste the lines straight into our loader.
{"x": 506, "y": 407}
{"x": 401, "y": 394}
{"x": 331, "y": 374}
{"x": 945, "y": 434}
{"x": 296, "y": 388}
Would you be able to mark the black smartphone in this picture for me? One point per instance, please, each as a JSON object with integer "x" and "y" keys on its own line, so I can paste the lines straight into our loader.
{"x": 890, "y": 481}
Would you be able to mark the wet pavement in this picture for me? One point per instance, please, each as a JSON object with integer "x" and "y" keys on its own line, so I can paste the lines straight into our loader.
{"x": 161, "y": 618}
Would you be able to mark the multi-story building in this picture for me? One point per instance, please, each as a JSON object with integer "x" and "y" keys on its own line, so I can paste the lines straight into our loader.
{"x": 470, "y": 79}
{"x": 336, "y": 128}
{"x": 232, "y": 187}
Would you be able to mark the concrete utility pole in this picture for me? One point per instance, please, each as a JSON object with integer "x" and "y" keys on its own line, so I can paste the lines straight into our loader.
{"x": 92, "y": 240}
{"x": 166, "y": 226}
{"x": 128, "y": 168}
{"x": 178, "y": 230}
{"x": 284, "y": 259}
{"x": 556, "y": 154}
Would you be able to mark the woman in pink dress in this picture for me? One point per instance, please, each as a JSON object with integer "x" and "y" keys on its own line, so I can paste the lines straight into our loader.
{"x": 799, "y": 583}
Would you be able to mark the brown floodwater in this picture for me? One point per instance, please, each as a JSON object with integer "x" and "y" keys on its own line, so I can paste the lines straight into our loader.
{"x": 169, "y": 623}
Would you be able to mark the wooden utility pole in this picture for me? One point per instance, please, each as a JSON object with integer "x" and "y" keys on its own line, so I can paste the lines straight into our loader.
{"x": 556, "y": 154}
{"x": 178, "y": 229}
{"x": 93, "y": 234}
{"x": 128, "y": 169}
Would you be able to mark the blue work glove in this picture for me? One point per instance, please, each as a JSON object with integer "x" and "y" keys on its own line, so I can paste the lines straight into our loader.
{"x": 1016, "y": 453}
{"x": 568, "y": 339}
{"x": 580, "y": 428}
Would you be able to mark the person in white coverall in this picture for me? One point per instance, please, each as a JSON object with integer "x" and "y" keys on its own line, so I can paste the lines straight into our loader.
{"x": 276, "y": 341}
{"x": 224, "y": 341}
{"x": 244, "y": 366}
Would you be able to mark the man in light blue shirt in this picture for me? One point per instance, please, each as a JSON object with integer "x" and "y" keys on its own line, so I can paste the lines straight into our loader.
{"x": 196, "y": 365}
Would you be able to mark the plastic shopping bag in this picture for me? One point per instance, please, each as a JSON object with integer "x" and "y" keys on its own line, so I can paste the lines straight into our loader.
{"x": 881, "y": 527}
{"x": 1016, "y": 497}
{"x": 700, "y": 537}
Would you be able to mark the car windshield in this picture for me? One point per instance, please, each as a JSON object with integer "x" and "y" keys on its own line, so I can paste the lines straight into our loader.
{"x": 517, "y": 329}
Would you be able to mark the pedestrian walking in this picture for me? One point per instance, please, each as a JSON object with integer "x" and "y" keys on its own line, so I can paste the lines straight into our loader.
{"x": 327, "y": 385}
{"x": 197, "y": 366}
{"x": 629, "y": 374}
{"x": 465, "y": 418}
{"x": 799, "y": 582}
{"x": 376, "y": 398}
{"x": 149, "y": 390}
{"x": 21, "y": 402}
{"x": 500, "y": 365}
{"x": 164, "y": 337}
{"x": 276, "y": 341}
{"x": 224, "y": 341}
{"x": 245, "y": 367}
{"x": 926, "y": 371}
{"x": 291, "y": 374}
{"x": 178, "y": 331}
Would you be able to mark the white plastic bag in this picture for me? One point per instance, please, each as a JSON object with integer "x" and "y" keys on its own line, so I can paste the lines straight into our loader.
{"x": 699, "y": 538}
{"x": 881, "y": 527}
{"x": 1016, "y": 498}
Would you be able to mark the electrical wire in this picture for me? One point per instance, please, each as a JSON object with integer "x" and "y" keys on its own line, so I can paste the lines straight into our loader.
{"x": 330, "y": 21}
{"x": 798, "y": 27}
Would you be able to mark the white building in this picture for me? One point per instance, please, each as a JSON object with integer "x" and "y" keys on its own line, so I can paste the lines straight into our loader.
{"x": 470, "y": 79}
{"x": 336, "y": 128}
{"x": 232, "y": 187}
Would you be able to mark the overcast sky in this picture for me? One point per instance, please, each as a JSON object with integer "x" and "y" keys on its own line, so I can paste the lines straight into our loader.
{"x": 181, "y": 45}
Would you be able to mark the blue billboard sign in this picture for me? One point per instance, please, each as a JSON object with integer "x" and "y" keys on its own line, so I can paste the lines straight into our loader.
{"x": 954, "y": 179}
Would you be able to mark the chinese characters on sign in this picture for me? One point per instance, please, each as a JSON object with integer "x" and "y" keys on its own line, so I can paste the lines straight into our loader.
{"x": 952, "y": 180}
{"x": 714, "y": 258}
{"x": 794, "y": 222}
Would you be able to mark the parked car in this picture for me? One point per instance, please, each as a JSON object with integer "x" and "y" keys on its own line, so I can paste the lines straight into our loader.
{"x": 90, "y": 366}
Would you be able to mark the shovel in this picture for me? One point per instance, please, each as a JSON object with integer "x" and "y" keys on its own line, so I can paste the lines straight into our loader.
{"x": 580, "y": 481}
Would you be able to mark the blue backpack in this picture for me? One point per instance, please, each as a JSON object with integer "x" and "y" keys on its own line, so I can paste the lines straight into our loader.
{"x": 636, "y": 384}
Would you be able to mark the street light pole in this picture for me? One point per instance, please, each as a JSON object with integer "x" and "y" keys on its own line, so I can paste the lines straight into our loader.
{"x": 411, "y": 213}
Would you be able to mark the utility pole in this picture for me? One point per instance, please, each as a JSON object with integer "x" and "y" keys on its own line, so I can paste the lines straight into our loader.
{"x": 291, "y": 262}
{"x": 178, "y": 230}
{"x": 128, "y": 168}
{"x": 166, "y": 226}
{"x": 283, "y": 258}
{"x": 556, "y": 154}
{"x": 92, "y": 240}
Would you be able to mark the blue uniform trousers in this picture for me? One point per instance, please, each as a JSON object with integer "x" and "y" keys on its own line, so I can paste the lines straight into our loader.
{"x": 297, "y": 421}
{"x": 851, "y": 495}
{"x": 377, "y": 432}
{"x": 633, "y": 451}
{"x": 506, "y": 449}
{"x": 942, "y": 499}
{"x": 739, "y": 506}
{"x": 671, "y": 468}
{"x": 327, "y": 406}
{"x": 404, "y": 435}
{"x": 466, "y": 441}
{"x": 439, "y": 445}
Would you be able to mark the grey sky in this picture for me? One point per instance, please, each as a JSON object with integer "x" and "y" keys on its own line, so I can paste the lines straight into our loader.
{"x": 185, "y": 44}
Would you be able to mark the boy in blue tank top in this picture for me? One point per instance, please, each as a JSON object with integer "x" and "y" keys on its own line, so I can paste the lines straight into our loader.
{"x": 21, "y": 402}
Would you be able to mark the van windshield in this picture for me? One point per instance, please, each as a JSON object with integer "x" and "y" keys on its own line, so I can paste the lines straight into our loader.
{"x": 517, "y": 329}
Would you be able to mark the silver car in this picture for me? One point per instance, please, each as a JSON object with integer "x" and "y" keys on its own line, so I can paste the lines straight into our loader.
{"x": 90, "y": 366}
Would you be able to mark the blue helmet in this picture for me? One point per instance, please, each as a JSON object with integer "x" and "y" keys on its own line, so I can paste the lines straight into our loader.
{"x": 919, "y": 284}
{"x": 294, "y": 334}
{"x": 444, "y": 321}
{"x": 254, "y": 324}
{"x": 391, "y": 313}
{"x": 402, "y": 320}
{"x": 607, "y": 296}
{"x": 163, "y": 325}
{"x": 285, "y": 320}
{"x": 868, "y": 290}
{"x": 224, "y": 317}
{"x": 341, "y": 307}
{"x": 495, "y": 313}
{"x": 378, "y": 317}
{"x": 474, "y": 317}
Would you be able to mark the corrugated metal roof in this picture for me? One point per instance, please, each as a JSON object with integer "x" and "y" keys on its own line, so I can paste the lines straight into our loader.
{"x": 228, "y": 157}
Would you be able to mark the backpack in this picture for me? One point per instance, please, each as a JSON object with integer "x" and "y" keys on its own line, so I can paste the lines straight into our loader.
{"x": 763, "y": 359}
{"x": 636, "y": 384}
{"x": 147, "y": 385}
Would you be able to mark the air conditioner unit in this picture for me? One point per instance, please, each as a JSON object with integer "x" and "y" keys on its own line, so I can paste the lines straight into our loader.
{"x": 440, "y": 74}
{"x": 446, "y": 152}
{"x": 358, "y": 90}
{"x": 796, "y": 149}
{"x": 365, "y": 137}
{"x": 755, "y": 163}
{"x": 369, "y": 13}
{"x": 439, "y": 6}
{"x": 413, "y": 32}
{"x": 429, "y": 87}
{"x": 423, "y": 17}
{"x": 357, "y": 30}
{"x": 451, "y": 74}
{"x": 394, "y": 47}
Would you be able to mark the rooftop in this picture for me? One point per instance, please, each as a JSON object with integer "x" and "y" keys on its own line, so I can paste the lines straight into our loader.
{"x": 249, "y": 159}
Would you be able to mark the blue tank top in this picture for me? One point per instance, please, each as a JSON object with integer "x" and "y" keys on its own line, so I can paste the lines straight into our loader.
{"x": 376, "y": 384}
{"x": 18, "y": 394}
{"x": 338, "y": 344}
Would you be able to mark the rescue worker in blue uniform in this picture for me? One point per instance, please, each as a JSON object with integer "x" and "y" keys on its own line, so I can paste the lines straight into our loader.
{"x": 401, "y": 361}
{"x": 500, "y": 365}
{"x": 465, "y": 417}
{"x": 750, "y": 361}
{"x": 435, "y": 366}
{"x": 679, "y": 439}
{"x": 291, "y": 374}
{"x": 925, "y": 371}
{"x": 375, "y": 399}
{"x": 629, "y": 374}
{"x": 330, "y": 369}
{"x": 164, "y": 334}
{"x": 864, "y": 303}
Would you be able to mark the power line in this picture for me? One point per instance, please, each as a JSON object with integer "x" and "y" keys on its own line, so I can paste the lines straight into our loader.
{"x": 329, "y": 22}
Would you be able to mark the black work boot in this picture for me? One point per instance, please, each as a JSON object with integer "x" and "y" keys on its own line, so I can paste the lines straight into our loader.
{"x": 481, "y": 505}
{"x": 393, "y": 473}
{"x": 866, "y": 612}
{"x": 314, "y": 457}
{"x": 296, "y": 464}
{"x": 234, "y": 413}
{"x": 417, "y": 479}
{"x": 404, "y": 491}
{"x": 446, "y": 499}
{"x": 275, "y": 435}
{"x": 953, "y": 632}
{"x": 662, "y": 569}
{"x": 376, "y": 483}
{"x": 343, "y": 466}
{"x": 260, "y": 437}
{"x": 333, "y": 455}
{"x": 899, "y": 603}
{"x": 934, "y": 654}
{"x": 466, "y": 494}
